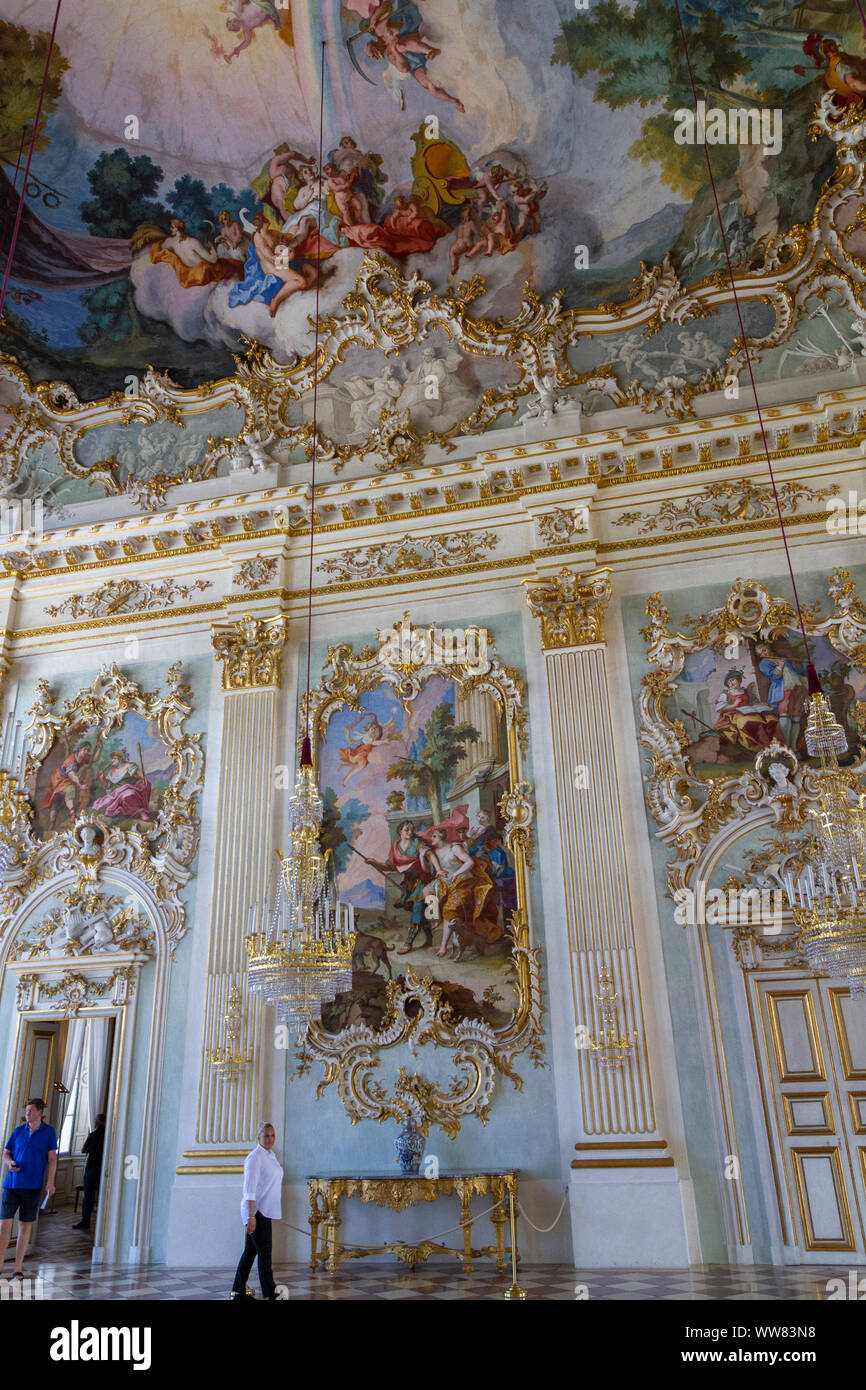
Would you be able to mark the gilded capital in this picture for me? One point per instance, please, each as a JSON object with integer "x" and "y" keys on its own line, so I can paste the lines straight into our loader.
{"x": 571, "y": 607}
{"x": 250, "y": 651}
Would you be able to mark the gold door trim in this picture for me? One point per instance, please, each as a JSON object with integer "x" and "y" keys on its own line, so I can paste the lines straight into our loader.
{"x": 811, "y": 1241}
{"x": 851, "y": 1072}
{"x": 793, "y": 1128}
{"x": 785, "y": 1074}
{"x": 858, "y": 1120}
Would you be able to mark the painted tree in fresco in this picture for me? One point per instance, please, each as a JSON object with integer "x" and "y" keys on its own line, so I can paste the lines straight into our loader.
{"x": 639, "y": 58}
{"x": 639, "y": 54}
{"x": 198, "y": 207}
{"x": 109, "y": 313}
{"x": 124, "y": 189}
{"x": 428, "y": 772}
{"x": 339, "y": 824}
{"x": 22, "y": 62}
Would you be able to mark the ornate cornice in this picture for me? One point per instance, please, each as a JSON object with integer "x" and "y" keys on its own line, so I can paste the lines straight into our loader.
{"x": 571, "y": 607}
{"x": 71, "y": 991}
{"x": 250, "y": 651}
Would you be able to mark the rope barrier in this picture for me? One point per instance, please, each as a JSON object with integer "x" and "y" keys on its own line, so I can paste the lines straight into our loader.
{"x": 543, "y": 1230}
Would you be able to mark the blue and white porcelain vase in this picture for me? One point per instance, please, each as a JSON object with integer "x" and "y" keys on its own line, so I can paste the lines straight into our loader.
{"x": 410, "y": 1146}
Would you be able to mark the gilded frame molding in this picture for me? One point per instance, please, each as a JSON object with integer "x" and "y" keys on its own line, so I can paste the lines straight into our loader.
{"x": 692, "y": 813}
{"x": 478, "y": 1050}
{"x": 161, "y": 853}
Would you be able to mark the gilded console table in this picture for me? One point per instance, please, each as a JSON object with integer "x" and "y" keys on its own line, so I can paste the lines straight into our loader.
{"x": 397, "y": 1193}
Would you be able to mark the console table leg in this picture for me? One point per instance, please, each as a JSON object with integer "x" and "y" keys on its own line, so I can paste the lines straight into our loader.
{"x": 498, "y": 1217}
{"x": 314, "y": 1231}
{"x": 466, "y": 1216}
{"x": 334, "y": 1224}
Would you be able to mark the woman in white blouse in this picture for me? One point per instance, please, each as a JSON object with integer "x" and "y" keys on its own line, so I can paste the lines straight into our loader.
{"x": 261, "y": 1204}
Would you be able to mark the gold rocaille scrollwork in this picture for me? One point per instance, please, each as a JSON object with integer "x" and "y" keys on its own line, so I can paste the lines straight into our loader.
{"x": 387, "y": 310}
{"x": 408, "y": 656}
{"x": 571, "y": 607}
{"x": 159, "y": 853}
{"x": 250, "y": 651}
{"x": 689, "y": 811}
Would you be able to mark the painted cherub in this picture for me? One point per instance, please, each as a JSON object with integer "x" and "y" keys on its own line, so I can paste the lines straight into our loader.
{"x": 361, "y": 742}
{"x": 527, "y": 198}
{"x": 465, "y": 237}
{"x": 246, "y": 17}
{"x": 351, "y": 202}
{"x": 396, "y": 42}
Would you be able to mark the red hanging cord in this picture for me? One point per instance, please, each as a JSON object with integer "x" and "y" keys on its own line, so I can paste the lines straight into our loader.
{"x": 814, "y": 685}
{"x": 11, "y": 251}
{"x": 306, "y": 749}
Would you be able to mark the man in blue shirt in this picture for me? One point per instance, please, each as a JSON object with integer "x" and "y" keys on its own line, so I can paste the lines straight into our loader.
{"x": 31, "y": 1157}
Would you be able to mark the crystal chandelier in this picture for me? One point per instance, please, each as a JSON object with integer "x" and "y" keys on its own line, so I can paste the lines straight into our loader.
{"x": 828, "y": 898}
{"x": 302, "y": 956}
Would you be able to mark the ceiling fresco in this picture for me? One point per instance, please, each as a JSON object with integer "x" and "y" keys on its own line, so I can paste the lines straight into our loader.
{"x": 512, "y": 216}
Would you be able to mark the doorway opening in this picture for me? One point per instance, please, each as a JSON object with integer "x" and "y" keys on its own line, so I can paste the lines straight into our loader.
{"x": 70, "y": 1064}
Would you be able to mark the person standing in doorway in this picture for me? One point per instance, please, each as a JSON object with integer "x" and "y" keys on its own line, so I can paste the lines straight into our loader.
{"x": 93, "y": 1146}
{"x": 31, "y": 1158}
{"x": 261, "y": 1205}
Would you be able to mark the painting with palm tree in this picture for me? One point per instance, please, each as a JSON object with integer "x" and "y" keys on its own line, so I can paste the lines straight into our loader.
{"x": 410, "y": 797}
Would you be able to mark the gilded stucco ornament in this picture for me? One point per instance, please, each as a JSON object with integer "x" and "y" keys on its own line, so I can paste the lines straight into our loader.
{"x": 126, "y": 596}
{"x": 256, "y": 572}
{"x": 68, "y": 993}
{"x": 406, "y": 658}
{"x": 695, "y": 813}
{"x": 388, "y": 310}
{"x": 562, "y": 523}
{"x": 250, "y": 651}
{"x": 91, "y": 924}
{"x": 160, "y": 852}
{"x": 571, "y": 607}
{"x": 410, "y": 554}
{"x": 726, "y": 503}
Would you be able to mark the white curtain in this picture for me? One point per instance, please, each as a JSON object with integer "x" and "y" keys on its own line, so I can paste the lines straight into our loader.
{"x": 75, "y": 1033}
{"x": 99, "y": 1056}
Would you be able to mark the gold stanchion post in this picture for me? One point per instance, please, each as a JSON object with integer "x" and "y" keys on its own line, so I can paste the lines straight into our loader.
{"x": 515, "y": 1291}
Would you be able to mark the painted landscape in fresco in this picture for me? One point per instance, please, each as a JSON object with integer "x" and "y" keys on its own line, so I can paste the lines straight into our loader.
{"x": 410, "y": 814}
{"x": 167, "y": 221}
{"x": 733, "y": 707}
{"x": 119, "y": 777}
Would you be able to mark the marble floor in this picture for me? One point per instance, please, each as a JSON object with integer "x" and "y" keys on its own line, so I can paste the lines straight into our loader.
{"x": 72, "y": 1277}
{"x": 62, "y": 1260}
